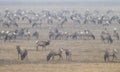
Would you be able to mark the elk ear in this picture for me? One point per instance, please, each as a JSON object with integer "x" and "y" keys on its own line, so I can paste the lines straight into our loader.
{"x": 115, "y": 50}
{"x": 62, "y": 49}
{"x": 36, "y": 41}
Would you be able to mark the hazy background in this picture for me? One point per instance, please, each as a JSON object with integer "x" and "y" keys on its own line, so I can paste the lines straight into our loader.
{"x": 60, "y": 2}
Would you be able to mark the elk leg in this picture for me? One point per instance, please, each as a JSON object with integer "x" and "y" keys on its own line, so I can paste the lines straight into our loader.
{"x": 52, "y": 57}
{"x": 36, "y": 48}
{"x": 43, "y": 47}
{"x": 18, "y": 56}
{"x": 108, "y": 58}
{"x": 66, "y": 57}
{"x": 60, "y": 57}
{"x": 69, "y": 58}
{"x": 105, "y": 57}
{"x": 114, "y": 56}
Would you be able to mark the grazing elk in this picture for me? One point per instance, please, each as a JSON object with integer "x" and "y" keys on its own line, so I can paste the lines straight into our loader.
{"x": 53, "y": 53}
{"x": 43, "y": 44}
{"x": 21, "y": 53}
{"x": 111, "y": 53}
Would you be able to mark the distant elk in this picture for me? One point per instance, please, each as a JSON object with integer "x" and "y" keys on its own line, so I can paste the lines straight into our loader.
{"x": 9, "y": 35}
{"x": 36, "y": 35}
{"x": 43, "y": 44}
{"x": 34, "y": 25}
{"x": 22, "y": 53}
{"x": 110, "y": 53}
{"x": 106, "y": 37}
{"x": 10, "y": 24}
{"x": 87, "y": 35}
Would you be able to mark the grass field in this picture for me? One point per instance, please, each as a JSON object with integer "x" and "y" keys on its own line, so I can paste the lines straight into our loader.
{"x": 87, "y": 55}
{"x": 80, "y": 67}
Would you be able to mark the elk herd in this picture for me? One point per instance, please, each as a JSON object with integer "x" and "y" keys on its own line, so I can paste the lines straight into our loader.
{"x": 27, "y": 24}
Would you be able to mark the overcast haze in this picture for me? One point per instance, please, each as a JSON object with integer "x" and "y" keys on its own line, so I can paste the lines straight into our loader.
{"x": 55, "y": 0}
{"x": 59, "y": 0}
{"x": 74, "y": 2}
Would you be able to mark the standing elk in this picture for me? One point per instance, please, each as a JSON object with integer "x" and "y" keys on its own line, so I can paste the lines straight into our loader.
{"x": 106, "y": 37}
{"x": 21, "y": 53}
{"x": 116, "y": 35}
{"x": 68, "y": 54}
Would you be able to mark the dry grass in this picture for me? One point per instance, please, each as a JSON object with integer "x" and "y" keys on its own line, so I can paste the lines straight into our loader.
{"x": 80, "y": 67}
{"x": 87, "y": 56}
